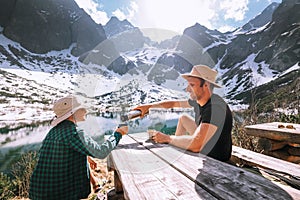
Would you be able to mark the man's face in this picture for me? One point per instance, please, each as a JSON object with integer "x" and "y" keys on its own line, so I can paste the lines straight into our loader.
{"x": 194, "y": 88}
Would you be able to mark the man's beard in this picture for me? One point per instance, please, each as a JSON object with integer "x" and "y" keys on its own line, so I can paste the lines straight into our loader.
{"x": 193, "y": 96}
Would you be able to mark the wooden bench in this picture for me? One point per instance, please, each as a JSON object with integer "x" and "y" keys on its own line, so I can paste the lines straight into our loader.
{"x": 277, "y": 139}
{"x": 274, "y": 167}
{"x": 146, "y": 170}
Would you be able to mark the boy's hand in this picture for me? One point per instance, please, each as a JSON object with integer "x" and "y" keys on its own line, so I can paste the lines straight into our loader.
{"x": 122, "y": 129}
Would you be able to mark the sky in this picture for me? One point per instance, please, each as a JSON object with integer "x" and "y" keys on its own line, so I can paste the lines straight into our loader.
{"x": 173, "y": 16}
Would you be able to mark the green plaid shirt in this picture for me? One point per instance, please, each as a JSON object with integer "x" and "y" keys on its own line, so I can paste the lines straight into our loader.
{"x": 62, "y": 170}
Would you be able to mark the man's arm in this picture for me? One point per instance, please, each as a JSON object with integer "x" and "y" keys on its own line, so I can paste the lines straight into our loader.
{"x": 194, "y": 142}
{"x": 171, "y": 104}
{"x": 163, "y": 104}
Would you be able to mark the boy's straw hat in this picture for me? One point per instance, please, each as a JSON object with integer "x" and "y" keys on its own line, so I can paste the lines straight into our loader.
{"x": 64, "y": 108}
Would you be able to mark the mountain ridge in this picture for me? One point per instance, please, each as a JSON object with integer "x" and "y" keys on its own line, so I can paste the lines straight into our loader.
{"x": 245, "y": 59}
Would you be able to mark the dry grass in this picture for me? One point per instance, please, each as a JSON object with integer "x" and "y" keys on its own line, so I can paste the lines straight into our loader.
{"x": 241, "y": 139}
{"x": 105, "y": 177}
{"x": 22, "y": 171}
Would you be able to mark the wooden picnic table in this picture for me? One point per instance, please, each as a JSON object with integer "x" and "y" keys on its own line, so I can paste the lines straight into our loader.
{"x": 147, "y": 170}
{"x": 276, "y": 131}
{"x": 281, "y": 140}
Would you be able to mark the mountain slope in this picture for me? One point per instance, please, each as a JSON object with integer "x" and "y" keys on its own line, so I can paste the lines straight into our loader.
{"x": 114, "y": 27}
{"x": 244, "y": 58}
{"x": 24, "y": 102}
{"x": 124, "y": 35}
{"x": 42, "y": 26}
{"x": 31, "y": 82}
{"x": 282, "y": 92}
{"x": 262, "y": 19}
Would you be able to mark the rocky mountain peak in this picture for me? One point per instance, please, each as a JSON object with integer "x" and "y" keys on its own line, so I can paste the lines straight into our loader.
{"x": 267, "y": 47}
{"x": 287, "y": 13}
{"x": 114, "y": 26}
{"x": 262, "y": 19}
{"x": 42, "y": 26}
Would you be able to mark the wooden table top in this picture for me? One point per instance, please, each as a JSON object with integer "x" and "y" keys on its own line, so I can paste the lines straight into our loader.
{"x": 159, "y": 171}
{"x": 288, "y": 132}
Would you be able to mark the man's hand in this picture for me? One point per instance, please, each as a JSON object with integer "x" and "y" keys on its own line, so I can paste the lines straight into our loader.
{"x": 143, "y": 108}
{"x": 160, "y": 137}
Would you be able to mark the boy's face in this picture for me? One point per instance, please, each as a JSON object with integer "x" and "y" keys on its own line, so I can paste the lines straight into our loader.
{"x": 80, "y": 115}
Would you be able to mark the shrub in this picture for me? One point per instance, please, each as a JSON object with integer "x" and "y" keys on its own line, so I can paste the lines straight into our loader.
{"x": 289, "y": 118}
{"x": 241, "y": 139}
{"x": 22, "y": 171}
{"x": 7, "y": 187}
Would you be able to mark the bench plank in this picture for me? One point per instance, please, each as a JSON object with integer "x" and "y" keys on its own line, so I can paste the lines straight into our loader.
{"x": 280, "y": 169}
{"x": 283, "y": 154}
{"x": 295, "y": 151}
{"x": 270, "y": 145}
{"x": 145, "y": 176}
{"x": 268, "y": 162}
{"x": 222, "y": 180}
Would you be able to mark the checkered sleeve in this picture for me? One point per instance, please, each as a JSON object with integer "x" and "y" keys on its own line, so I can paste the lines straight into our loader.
{"x": 84, "y": 144}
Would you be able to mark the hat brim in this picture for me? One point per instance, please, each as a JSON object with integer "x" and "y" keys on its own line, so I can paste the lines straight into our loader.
{"x": 186, "y": 76}
{"x": 66, "y": 116}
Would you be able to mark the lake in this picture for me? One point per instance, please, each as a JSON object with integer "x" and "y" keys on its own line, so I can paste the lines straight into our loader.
{"x": 15, "y": 143}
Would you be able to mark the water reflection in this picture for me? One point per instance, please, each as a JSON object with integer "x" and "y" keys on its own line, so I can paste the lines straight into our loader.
{"x": 30, "y": 138}
{"x": 96, "y": 126}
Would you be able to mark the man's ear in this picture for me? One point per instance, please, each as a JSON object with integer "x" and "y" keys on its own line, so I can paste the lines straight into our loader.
{"x": 206, "y": 84}
{"x": 202, "y": 82}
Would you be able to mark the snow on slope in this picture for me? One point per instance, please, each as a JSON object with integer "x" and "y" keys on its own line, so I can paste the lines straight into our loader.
{"x": 30, "y": 87}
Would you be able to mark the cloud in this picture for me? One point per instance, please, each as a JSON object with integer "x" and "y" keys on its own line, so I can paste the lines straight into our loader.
{"x": 91, "y": 8}
{"x": 119, "y": 14}
{"x": 226, "y": 28}
{"x": 129, "y": 12}
{"x": 180, "y": 14}
{"x": 234, "y": 9}
{"x": 172, "y": 15}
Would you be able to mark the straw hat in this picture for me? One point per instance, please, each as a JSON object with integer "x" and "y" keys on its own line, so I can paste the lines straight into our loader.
{"x": 204, "y": 72}
{"x": 64, "y": 108}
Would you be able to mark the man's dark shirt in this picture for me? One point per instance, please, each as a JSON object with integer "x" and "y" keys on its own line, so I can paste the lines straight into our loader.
{"x": 216, "y": 112}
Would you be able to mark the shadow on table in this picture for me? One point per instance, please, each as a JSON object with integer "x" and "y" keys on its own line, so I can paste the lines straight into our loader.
{"x": 236, "y": 183}
{"x": 148, "y": 144}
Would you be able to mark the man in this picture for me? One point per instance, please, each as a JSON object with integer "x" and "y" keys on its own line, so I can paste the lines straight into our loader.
{"x": 62, "y": 170}
{"x": 210, "y": 131}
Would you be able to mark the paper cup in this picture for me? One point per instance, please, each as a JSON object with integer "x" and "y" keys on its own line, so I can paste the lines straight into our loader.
{"x": 151, "y": 133}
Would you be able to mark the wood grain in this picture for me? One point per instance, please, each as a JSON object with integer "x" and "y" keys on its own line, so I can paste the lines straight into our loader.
{"x": 222, "y": 180}
{"x": 271, "y": 131}
{"x": 146, "y": 176}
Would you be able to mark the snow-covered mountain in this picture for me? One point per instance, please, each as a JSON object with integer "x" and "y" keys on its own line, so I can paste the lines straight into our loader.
{"x": 262, "y": 19}
{"x": 43, "y": 26}
{"x": 31, "y": 82}
{"x": 245, "y": 58}
{"x": 112, "y": 69}
{"x": 114, "y": 27}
